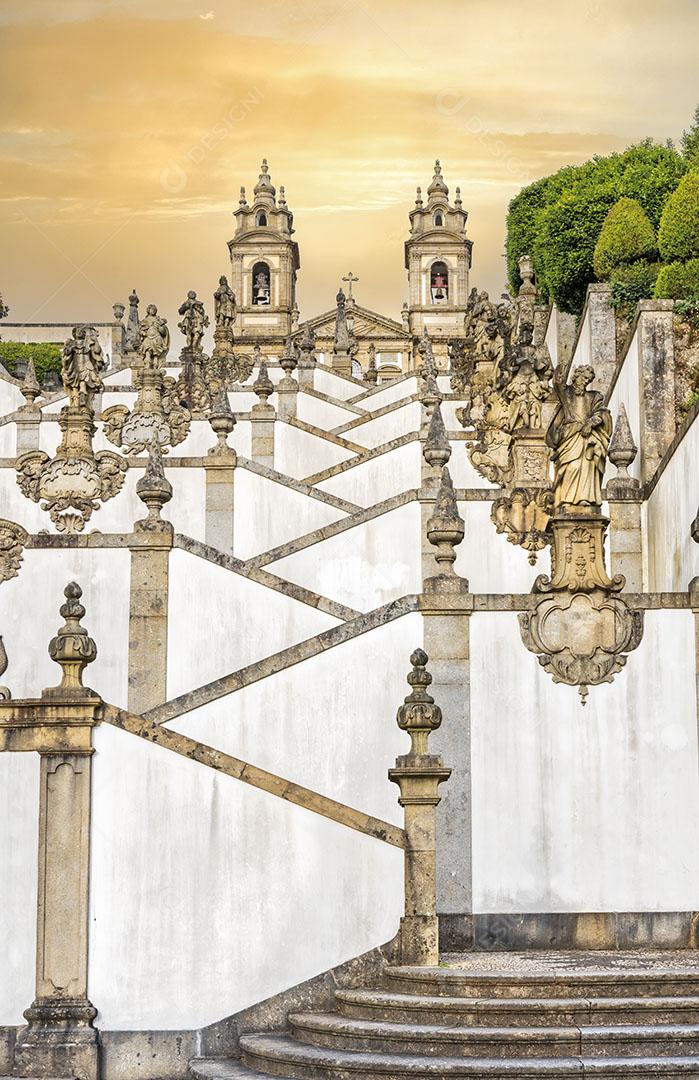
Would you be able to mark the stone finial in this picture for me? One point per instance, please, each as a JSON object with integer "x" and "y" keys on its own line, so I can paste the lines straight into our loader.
{"x": 694, "y": 529}
{"x": 154, "y": 490}
{"x": 72, "y": 647}
{"x": 445, "y": 528}
{"x": 418, "y": 715}
{"x": 263, "y": 385}
{"x": 457, "y": 199}
{"x": 222, "y": 422}
{"x": 242, "y": 200}
{"x": 437, "y": 449}
{"x": 30, "y": 385}
{"x": 282, "y": 196}
{"x": 526, "y": 273}
{"x": 418, "y": 197}
{"x": 622, "y": 448}
{"x": 118, "y": 309}
{"x": 289, "y": 359}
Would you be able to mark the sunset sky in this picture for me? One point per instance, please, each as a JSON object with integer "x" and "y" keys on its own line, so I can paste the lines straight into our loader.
{"x": 128, "y": 127}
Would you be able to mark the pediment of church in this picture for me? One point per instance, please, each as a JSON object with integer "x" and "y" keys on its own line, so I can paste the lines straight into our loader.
{"x": 367, "y": 324}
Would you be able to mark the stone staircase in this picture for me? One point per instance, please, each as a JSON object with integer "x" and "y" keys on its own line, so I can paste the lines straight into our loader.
{"x": 495, "y": 1015}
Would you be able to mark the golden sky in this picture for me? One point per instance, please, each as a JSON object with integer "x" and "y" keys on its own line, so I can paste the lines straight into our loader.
{"x": 128, "y": 128}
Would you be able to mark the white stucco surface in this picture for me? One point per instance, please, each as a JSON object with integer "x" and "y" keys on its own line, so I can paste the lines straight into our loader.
{"x": 463, "y": 473}
{"x": 209, "y": 895}
{"x": 19, "y": 823}
{"x": 487, "y": 560}
{"x": 390, "y": 426}
{"x": 378, "y": 478}
{"x": 269, "y": 514}
{"x": 328, "y": 723}
{"x": 328, "y": 382}
{"x": 365, "y": 566}
{"x": 584, "y": 809}
{"x": 219, "y": 621}
{"x": 29, "y": 618}
{"x": 301, "y": 453}
{"x": 322, "y": 414}
{"x": 11, "y": 396}
{"x": 672, "y": 557}
{"x": 393, "y": 391}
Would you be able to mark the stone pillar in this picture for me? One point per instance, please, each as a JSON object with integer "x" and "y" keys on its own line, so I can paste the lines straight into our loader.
{"x": 218, "y": 524}
{"x": 29, "y": 415}
{"x": 59, "y": 1039}
{"x": 656, "y": 360}
{"x": 624, "y": 499}
{"x": 151, "y": 543}
{"x": 262, "y": 418}
{"x": 602, "y": 331}
{"x": 287, "y": 387}
{"x": 418, "y": 775}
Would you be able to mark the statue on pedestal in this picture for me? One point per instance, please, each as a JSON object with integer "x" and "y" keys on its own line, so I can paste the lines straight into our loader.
{"x": 579, "y": 436}
{"x": 194, "y": 321}
{"x": 224, "y": 304}
{"x": 82, "y": 360}
{"x": 154, "y": 338}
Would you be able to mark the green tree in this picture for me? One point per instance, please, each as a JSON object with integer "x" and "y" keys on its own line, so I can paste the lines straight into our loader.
{"x": 690, "y": 142}
{"x": 678, "y": 281}
{"x": 626, "y": 237}
{"x": 678, "y": 236}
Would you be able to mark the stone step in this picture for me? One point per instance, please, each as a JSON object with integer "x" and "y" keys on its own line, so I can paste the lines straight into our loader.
{"x": 526, "y": 980}
{"x": 217, "y": 1069}
{"x": 338, "y": 1033}
{"x": 505, "y": 1012}
{"x": 281, "y": 1056}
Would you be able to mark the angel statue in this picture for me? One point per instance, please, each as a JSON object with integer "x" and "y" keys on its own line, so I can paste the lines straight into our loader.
{"x": 578, "y": 435}
{"x": 82, "y": 360}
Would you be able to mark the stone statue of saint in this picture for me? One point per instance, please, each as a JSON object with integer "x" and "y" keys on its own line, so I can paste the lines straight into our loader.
{"x": 82, "y": 360}
{"x": 154, "y": 338}
{"x": 578, "y": 435}
{"x": 224, "y": 304}
{"x": 194, "y": 321}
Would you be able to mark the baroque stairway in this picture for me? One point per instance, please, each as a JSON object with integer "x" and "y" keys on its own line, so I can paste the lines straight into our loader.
{"x": 553, "y": 1014}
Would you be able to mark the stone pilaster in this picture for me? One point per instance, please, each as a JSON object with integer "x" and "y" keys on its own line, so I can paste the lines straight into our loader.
{"x": 59, "y": 1038}
{"x": 624, "y": 499}
{"x": 656, "y": 357}
{"x": 28, "y": 427}
{"x": 218, "y": 522}
{"x": 602, "y": 331}
{"x": 150, "y": 544}
{"x": 262, "y": 418}
{"x": 418, "y": 775}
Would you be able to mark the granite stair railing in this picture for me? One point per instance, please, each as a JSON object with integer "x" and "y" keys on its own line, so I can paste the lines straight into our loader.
{"x": 493, "y": 1015}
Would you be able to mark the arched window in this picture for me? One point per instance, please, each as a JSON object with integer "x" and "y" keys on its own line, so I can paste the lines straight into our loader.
{"x": 439, "y": 283}
{"x": 438, "y": 218}
{"x": 260, "y": 284}
{"x": 261, "y": 218}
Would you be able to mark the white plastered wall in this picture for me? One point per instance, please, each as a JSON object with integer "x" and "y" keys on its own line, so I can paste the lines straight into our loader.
{"x": 672, "y": 557}
{"x": 627, "y": 392}
{"x": 378, "y": 478}
{"x": 584, "y": 809}
{"x": 383, "y": 429}
{"x": 301, "y": 453}
{"x": 267, "y": 514}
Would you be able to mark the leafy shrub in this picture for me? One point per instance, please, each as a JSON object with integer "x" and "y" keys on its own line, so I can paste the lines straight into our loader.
{"x": 631, "y": 283}
{"x": 627, "y": 236}
{"x": 678, "y": 237}
{"x": 557, "y": 220}
{"x": 46, "y": 355}
{"x": 678, "y": 281}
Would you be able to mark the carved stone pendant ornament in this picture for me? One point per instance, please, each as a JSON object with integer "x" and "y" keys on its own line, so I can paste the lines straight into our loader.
{"x": 157, "y": 414}
{"x": 581, "y": 638}
{"x": 524, "y": 515}
{"x": 76, "y": 480}
{"x": 12, "y": 540}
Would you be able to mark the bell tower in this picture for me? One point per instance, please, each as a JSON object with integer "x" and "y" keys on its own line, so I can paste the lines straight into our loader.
{"x": 438, "y": 260}
{"x": 264, "y": 264}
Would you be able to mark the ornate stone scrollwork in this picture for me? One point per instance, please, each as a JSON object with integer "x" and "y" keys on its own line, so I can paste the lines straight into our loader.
{"x": 12, "y": 540}
{"x": 157, "y": 413}
{"x": 524, "y": 516}
{"x": 76, "y": 480}
{"x": 580, "y": 629}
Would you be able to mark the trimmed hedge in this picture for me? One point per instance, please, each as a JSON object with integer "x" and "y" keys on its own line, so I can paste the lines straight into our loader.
{"x": 631, "y": 283}
{"x": 627, "y": 236}
{"x": 557, "y": 220}
{"x": 678, "y": 281}
{"x": 45, "y": 354}
{"x": 678, "y": 238}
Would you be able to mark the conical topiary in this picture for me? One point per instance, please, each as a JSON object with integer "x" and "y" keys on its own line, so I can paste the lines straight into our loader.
{"x": 678, "y": 236}
{"x": 627, "y": 236}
